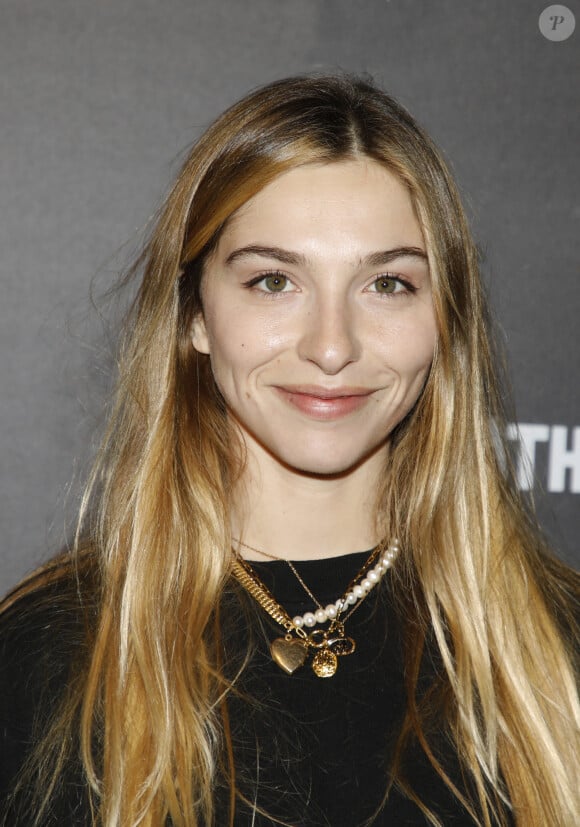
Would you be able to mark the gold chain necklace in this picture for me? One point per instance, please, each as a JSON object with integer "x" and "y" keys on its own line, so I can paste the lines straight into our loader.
{"x": 289, "y": 563}
{"x": 291, "y": 651}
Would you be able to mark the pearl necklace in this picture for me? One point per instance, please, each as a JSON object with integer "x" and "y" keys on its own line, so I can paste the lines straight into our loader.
{"x": 291, "y": 651}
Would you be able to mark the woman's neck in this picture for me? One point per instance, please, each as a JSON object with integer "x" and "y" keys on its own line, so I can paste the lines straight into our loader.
{"x": 299, "y": 517}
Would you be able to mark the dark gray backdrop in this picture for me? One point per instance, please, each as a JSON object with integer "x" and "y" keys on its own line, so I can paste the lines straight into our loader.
{"x": 98, "y": 101}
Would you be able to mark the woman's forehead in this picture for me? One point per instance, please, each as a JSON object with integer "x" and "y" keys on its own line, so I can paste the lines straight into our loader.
{"x": 347, "y": 203}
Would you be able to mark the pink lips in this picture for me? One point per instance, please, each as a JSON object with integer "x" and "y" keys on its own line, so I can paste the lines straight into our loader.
{"x": 324, "y": 403}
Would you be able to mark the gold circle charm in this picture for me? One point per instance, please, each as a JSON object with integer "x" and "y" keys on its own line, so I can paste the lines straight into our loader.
{"x": 324, "y": 663}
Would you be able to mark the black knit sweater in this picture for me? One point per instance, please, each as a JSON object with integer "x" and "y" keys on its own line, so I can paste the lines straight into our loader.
{"x": 309, "y": 751}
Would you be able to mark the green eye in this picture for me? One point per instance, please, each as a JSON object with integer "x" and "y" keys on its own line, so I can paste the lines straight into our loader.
{"x": 275, "y": 283}
{"x": 385, "y": 284}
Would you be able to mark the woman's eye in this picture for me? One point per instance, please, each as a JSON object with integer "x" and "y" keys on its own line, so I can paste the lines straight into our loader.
{"x": 275, "y": 283}
{"x": 272, "y": 283}
{"x": 386, "y": 284}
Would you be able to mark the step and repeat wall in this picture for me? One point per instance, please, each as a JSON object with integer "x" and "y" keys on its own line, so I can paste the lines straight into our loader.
{"x": 99, "y": 102}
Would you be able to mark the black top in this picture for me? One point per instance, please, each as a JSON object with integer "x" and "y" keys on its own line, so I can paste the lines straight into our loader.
{"x": 310, "y": 751}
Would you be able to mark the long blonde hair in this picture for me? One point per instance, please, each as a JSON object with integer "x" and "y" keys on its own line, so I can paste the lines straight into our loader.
{"x": 475, "y": 574}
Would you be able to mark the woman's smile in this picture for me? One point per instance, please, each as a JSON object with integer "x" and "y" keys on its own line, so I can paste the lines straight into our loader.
{"x": 325, "y": 404}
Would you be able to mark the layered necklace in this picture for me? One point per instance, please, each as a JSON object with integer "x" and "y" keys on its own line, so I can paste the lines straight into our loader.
{"x": 328, "y": 643}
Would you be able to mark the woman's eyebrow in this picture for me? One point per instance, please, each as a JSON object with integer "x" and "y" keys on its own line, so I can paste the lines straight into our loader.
{"x": 285, "y": 256}
{"x": 377, "y": 259}
{"x": 386, "y": 256}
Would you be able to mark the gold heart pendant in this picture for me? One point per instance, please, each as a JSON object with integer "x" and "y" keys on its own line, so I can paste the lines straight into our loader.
{"x": 288, "y": 654}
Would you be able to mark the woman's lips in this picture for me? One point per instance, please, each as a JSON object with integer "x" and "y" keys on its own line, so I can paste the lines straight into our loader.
{"x": 325, "y": 403}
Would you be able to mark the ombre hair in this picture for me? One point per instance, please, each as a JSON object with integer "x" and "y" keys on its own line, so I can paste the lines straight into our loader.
{"x": 475, "y": 580}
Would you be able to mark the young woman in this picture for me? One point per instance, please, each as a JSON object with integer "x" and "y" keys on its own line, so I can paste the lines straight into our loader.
{"x": 304, "y": 589}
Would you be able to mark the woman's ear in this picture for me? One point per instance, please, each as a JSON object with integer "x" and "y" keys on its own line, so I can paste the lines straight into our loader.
{"x": 199, "y": 337}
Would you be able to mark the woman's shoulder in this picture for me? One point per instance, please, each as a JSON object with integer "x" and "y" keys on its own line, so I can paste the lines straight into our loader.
{"x": 45, "y": 629}
{"x": 45, "y": 624}
{"x": 50, "y": 613}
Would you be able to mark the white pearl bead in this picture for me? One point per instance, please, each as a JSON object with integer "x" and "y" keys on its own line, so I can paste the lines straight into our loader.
{"x": 373, "y": 576}
{"x": 298, "y": 621}
{"x": 309, "y": 619}
{"x": 321, "y": 616}
{"x": 358, "y": 590}
{"x": 387, "y": 562}
{"x": 331, "y": 611}
{"x": 350, "y": 598}
{"x": 366, "y": 584}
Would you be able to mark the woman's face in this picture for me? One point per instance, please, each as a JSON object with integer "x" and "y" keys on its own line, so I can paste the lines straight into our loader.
{"x": 318, "y": 316}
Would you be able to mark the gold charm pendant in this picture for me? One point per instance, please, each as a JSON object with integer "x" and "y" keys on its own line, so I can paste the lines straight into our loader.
{"x": 289, "y": 653}
{"x": 342, "y": 645}
{"x": 324, "y": 663}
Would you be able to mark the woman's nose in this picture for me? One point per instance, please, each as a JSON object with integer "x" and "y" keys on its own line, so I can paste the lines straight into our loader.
{"x": 329, "y": 338}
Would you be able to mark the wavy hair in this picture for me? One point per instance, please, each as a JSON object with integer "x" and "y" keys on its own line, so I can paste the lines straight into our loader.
{"x": 476, "y": 576}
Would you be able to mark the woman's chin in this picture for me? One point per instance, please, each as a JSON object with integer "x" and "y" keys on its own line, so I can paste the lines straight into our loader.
{"x": 327, "y": 463}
